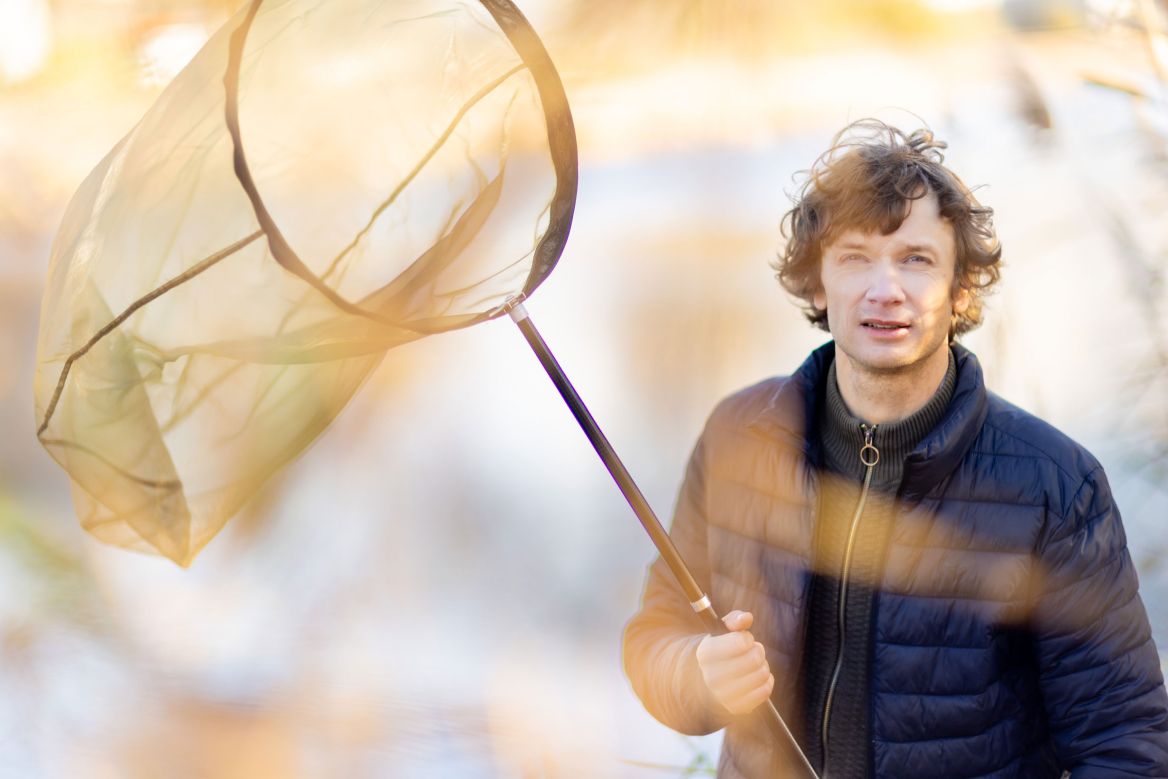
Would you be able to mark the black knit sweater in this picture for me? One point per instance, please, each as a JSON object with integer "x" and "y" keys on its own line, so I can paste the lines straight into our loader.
{"x": 842, "y": 437}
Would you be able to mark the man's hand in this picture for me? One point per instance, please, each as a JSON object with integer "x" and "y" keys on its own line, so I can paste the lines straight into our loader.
{"x": 734, "y": 665}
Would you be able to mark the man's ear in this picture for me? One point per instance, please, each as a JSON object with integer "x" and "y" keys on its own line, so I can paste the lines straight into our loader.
{"x": 819, "y": 299}
{"x": 961, "y": 300}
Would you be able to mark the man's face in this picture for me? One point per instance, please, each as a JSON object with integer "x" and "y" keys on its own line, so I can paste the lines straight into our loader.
{"x": 888, "y": 297}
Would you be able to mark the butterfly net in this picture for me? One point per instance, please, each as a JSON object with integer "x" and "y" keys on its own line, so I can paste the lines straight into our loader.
{"x": 323, "y": 182}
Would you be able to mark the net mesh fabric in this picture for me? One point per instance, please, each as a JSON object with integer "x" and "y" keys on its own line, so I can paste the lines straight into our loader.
{"x": 402, "y": 153}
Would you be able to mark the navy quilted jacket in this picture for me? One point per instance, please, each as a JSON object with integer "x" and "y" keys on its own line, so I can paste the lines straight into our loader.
{"x": 1009, "y": 639}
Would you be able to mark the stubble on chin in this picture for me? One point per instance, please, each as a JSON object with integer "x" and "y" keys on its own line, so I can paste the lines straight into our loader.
{"x": 891, "y": 365}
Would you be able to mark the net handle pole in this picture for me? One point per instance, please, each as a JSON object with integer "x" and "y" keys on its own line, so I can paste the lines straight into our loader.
{"x": 693, "y": 592}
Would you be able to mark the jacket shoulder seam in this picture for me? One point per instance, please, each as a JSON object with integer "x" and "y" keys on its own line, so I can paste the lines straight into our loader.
{"x": 1043, "y": 454}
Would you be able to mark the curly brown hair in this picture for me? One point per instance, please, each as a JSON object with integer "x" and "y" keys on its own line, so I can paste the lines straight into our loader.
{"x": 867, "y": 181}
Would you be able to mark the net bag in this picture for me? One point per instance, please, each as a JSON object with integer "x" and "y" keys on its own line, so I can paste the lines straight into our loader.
{"x": 323, "y": 182}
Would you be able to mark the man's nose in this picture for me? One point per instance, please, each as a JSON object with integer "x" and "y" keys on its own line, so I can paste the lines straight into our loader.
{"x": 884, "y": 284}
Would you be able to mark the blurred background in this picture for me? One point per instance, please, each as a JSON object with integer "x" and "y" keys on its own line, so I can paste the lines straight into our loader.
{"x": 437, "y": 588}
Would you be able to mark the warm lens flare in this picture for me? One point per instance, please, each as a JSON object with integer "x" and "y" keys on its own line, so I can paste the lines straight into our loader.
{"x": 25, "y": 39}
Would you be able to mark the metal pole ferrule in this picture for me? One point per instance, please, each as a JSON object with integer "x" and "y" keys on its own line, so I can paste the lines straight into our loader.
{"x": 701, "y": 604}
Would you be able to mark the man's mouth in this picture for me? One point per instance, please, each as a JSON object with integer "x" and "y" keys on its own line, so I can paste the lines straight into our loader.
{"x": 882, "y": 324}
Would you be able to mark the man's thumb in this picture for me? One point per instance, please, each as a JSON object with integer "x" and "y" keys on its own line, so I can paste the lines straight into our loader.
{"x": 738, "y": 620}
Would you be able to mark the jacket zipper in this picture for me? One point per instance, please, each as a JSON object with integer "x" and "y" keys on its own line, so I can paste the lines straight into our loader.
{"x": 869, "y": 456}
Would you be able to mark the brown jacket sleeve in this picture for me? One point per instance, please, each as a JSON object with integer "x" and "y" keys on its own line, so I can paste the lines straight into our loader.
{"x": 660, "y": 641}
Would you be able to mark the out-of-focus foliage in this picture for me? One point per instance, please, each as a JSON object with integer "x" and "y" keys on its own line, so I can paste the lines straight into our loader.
{"x": 645, "y": 33}
{"x": 1143, "y": 249}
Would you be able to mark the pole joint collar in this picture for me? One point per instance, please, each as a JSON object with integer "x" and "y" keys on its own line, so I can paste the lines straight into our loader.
{"x": 514, "y": 308}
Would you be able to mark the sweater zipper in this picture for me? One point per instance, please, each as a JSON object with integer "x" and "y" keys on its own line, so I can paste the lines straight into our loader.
{"x": 869, "y": 456}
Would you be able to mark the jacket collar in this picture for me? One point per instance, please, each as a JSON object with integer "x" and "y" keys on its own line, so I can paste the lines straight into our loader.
{"x": 793, "y": 408}
{"x": 794, "y": 405}
{"x": 940, "y": 451}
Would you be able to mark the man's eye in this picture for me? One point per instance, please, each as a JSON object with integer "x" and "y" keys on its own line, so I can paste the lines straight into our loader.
{"x": 918, "y": 258}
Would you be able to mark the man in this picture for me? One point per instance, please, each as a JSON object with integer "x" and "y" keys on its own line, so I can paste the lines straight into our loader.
{"x": 938, "y": 581}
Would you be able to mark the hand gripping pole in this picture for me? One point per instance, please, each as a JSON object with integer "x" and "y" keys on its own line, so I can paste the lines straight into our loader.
{"x": 793, "y": 755}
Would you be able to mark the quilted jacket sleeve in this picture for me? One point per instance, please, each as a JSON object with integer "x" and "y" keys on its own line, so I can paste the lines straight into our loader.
{"x": 1099, "y": 670}
{"x": 660, "y": 641}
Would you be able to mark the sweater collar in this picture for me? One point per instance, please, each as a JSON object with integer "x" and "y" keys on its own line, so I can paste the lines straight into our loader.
{"x": 842, "y": 434}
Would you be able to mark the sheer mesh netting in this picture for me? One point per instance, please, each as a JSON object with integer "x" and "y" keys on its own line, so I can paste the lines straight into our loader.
{"x": 204, "y": 320}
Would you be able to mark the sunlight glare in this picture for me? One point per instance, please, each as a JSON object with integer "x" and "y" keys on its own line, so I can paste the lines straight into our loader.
{"x": 167, "y": 50}
{"x": 24, "y": 39}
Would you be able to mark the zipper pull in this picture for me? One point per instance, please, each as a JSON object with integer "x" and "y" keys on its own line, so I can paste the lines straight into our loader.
{"x": 869, "y": 454}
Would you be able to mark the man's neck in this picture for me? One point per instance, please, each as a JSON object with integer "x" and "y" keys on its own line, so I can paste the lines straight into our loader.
{"x": 878, "y": 397}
